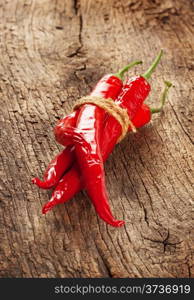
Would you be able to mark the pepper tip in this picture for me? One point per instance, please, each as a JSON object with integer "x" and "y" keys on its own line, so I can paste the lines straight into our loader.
{"x": 44, "y": 210}
{"x": 48, "y": 206}
{"x": 118, "y": 223}
{"x": 34, "y": 180}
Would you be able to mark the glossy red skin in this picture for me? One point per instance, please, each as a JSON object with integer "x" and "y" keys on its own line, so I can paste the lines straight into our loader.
{"x": 133, "y": 94}
{"x": 71, "y": 183}
{"x": 67, "y": 187}
{"x": 56, "y": 169}
{"x": 68, "y": 122}
{"x": 143, "y": 116}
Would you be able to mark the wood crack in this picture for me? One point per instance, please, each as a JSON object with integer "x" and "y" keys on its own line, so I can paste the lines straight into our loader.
{"x": 165, "y": 242}
{"x": 77, "y": 51}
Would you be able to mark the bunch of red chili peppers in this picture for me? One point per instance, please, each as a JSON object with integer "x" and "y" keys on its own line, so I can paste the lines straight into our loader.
{"x": 89, "y": 135}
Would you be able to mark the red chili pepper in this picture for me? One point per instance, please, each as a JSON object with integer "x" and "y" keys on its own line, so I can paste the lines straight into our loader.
{"x": 56, "y": 168}
{"x": 71, "y": 182}
{"x": 144, "y": 114}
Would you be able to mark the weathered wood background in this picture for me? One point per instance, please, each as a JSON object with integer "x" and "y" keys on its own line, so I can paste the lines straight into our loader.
{"x": 51, "y": 53}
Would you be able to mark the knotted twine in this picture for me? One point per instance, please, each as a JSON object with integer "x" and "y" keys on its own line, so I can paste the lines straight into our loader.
{"x": 120, "y": 114}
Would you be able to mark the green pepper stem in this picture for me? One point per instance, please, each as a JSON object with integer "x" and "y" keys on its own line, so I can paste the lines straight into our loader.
{"x": 121, "y": 72}
{"x": 163, "y": 98}
{"x": 151, "y": 69}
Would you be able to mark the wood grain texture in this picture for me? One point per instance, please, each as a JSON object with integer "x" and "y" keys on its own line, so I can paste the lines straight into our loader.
{"x": 53, "y": 52}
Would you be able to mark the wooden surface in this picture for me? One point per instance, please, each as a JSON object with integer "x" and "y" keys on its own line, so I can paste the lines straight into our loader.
{"x": 53, "y": 52}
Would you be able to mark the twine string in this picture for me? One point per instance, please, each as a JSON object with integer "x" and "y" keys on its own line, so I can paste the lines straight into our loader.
{"x": 120, "y": 114}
